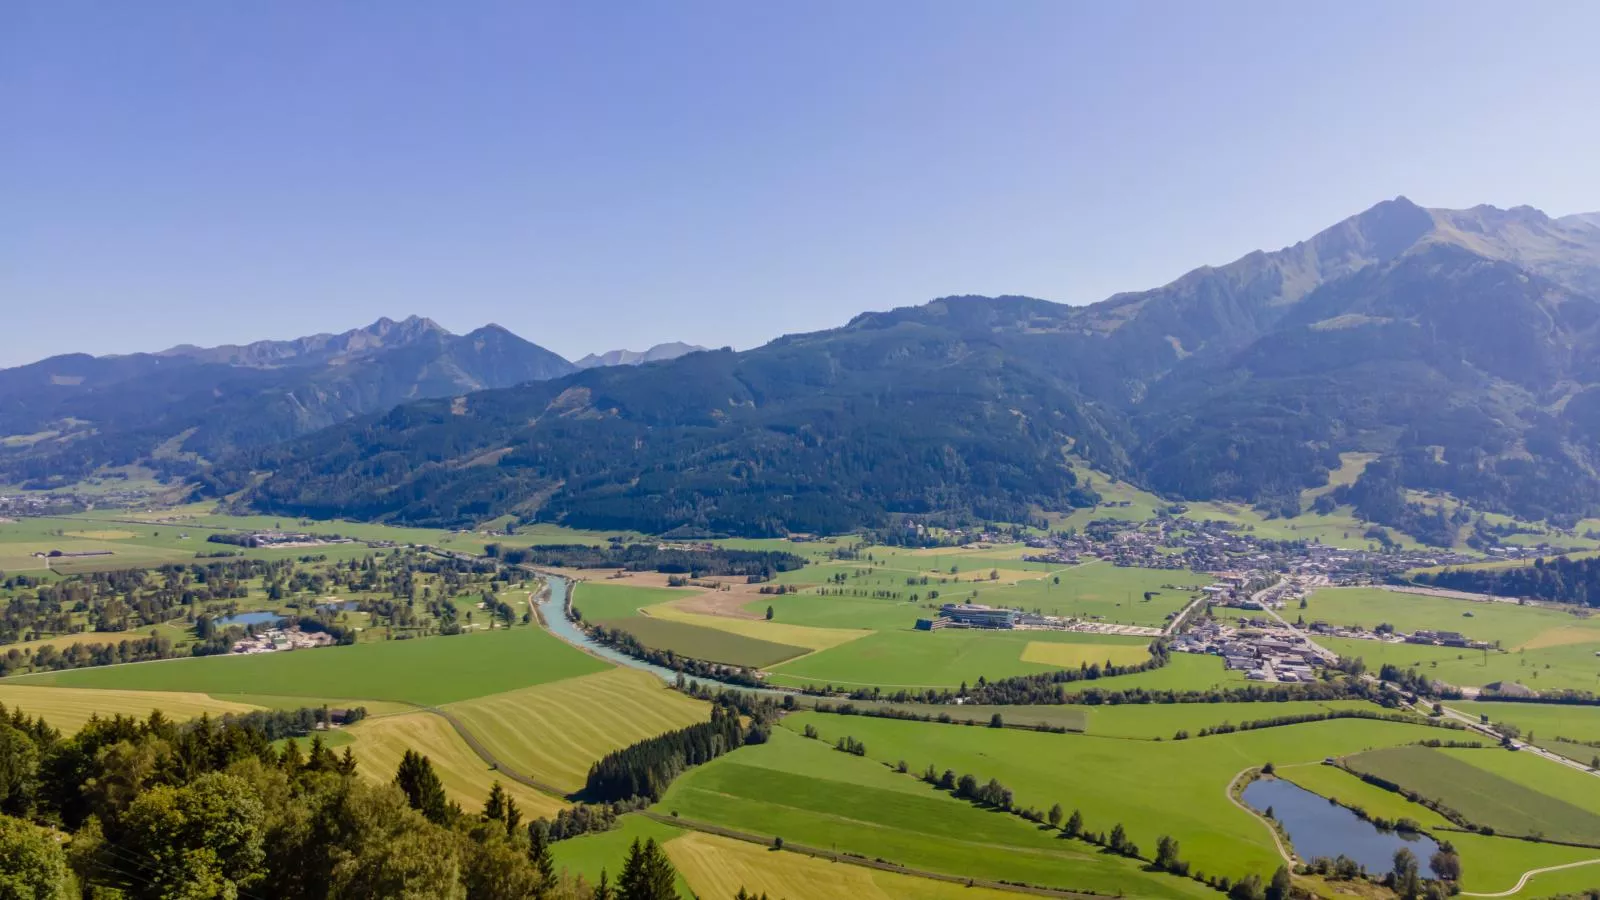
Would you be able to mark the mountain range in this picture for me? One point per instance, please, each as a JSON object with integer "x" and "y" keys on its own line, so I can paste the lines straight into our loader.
{"x": 179, "y": 409}
{"x": 658, "y": 353}
{"x": 1460, "y": 347}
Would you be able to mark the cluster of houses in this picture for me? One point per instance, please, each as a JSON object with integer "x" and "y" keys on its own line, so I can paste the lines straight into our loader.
{"x": 1423, "y": 636}
{"x": 277, "y": 639}
{"x": 1269, "y": 653}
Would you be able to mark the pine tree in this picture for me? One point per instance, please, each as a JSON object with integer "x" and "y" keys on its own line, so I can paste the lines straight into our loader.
{"x": 494, "y": 809}
{"x": 347, "y": 763}
{"x": 539, "y": 850}
{"x": 513, "y": 816}
{"x": 646, "y": 874}
{"x": 1074, "y": 824}
{"x": 292, "y": 761}
{"x": 1280, "y": 886}
{"x": 422, "y": 787}
{"x": 603, "y": 891}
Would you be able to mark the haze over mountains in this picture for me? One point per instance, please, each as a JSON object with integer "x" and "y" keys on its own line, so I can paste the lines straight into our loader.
{"x": 1463, "y": 346}
{"x": 179, "y": 408}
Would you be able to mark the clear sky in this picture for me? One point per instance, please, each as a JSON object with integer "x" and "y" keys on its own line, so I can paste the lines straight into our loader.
{"x": 599, "y": 175}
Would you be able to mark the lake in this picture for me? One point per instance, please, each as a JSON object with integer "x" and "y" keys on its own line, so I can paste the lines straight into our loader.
{"x": 1318, "y": 827}
{"x": 249, "y": 618}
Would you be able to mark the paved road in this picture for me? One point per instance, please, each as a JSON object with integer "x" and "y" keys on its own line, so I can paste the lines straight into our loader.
{"x": 1476, "y": 724}
{"x": 1325, "y": 653}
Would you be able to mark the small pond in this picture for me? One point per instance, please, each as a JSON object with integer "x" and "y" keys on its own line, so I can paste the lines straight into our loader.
{"x": 265, "y": 617}
{"x": 1318, "y": 827}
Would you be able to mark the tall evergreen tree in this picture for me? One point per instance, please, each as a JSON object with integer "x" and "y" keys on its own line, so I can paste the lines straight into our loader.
{"x": 422, "y": 787}
{"x": 539, "y": 849}
{"x": 646, "y": 874}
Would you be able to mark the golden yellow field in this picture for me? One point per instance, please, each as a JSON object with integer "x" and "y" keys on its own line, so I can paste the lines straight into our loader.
{"x": 1070, "y": 656}
{"x": 553, "y": 732}
{"x": 807, "y": 636}
{"x": 380, "y": 743}
{"x": 68, "y": 708}
{"x": 718, "y": 867}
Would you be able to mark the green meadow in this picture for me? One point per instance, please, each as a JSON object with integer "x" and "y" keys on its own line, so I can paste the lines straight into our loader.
{"x": 1512, "y": 625}
{"x": 947, "y": 658}
{"x": 1467, "y": 781}
{"x": 1176, "y": 788}
{"x": 426, "y": 671}
{"x": 590, "y": 854}
{"x": 1564, "y": 666}
{"x": 1546, "y": 721}
{"x": 598, "y": 601}
{"x": 700, "y": 642}
{"x": 809, "y": 793}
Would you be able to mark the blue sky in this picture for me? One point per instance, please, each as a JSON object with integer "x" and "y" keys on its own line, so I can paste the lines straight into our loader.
{"x": 598, "y": 175}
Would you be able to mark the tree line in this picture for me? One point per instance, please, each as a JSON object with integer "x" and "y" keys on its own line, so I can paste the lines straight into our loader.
{"x": 646, "y": 768}
{"x": 754, "y": 564}
{"x": 1559, "y": 580}
{"x": 152, "y": 809}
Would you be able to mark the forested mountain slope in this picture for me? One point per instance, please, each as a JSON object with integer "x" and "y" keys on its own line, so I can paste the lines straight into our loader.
{"x": 70, "y": 415}
{"x": 1460, "y": 344}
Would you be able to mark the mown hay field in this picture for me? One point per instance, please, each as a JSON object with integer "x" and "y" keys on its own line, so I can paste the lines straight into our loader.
{"x": 68, "y": 708}
{"x": 378, "y": 745}
{"x": 716, "y": 866}
{"x": 555, "y": 732}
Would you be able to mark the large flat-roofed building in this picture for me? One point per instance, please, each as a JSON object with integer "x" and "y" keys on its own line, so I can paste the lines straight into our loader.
{"x": 976, "y": 615}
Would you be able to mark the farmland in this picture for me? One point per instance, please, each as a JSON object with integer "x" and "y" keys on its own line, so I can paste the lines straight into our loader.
{"x": 718, "y": 867}
{"x": 1152, "y": 788}
{"x": 554, "y": 731}
{"x": 1514, "y": 627}
{"x": 1467, "y": 782}
{"x": 908, "y": 658}
{"x": 1337, "y": 784}
{"x": 1567, "y": 666}
{"x": 68, "y": 708}
{"x": 810, "y": 794}
{"x": 426, "y": 672}
{"x": 378, "y": 745}
{"x": 699, "y": 642}
{"x": 1544, "y": 721}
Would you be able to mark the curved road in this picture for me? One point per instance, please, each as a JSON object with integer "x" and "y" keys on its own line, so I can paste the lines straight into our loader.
{"x": 1523, "y": 881}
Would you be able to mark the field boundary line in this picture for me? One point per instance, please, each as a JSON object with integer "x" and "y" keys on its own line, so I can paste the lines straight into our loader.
{"x": 1523, "y": 881}
{"x": 494, "y": 762}
{"x": 1283, "y": 851}
{"x": 880, "y": 865}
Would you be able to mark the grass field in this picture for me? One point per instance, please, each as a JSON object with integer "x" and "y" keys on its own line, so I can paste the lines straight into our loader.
{"x": 705, "y": 643}
{"x": 1070, "y": 656}
{"x": 1490, "y": 865}
{"x": 809, "y": 637}
{"x": 428, "y": 671}
{"x": 718, "y": 867}
{"x": 1157, "y": 720}
{"x": 811, "y": 794}
{"x": 1568, "y": 666}
{"x": 598, "y": 601}
{"x": 1463, "y": 781}
{"x": 908, "y": 658}
{"x": 1512, "y": 625}
{"x": 68, "y": 708}
{"x": 586, "y": 856}
{"x": 554, "y": 732}
{"x": 1542, "y": 775}
{"x": 1544, "y": 721}
{"x": 378, "y": 745}
{"x": 1152, "y": 788}
{"x": 1337, "y": 784}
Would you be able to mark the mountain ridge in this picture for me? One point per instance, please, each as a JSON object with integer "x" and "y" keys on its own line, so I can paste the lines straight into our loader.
{"x": 1458, "y": 344}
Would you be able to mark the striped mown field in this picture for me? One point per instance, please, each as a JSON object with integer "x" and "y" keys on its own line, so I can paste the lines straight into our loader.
{"x": 68, "y": 708}
{"x": 554, "y": 732}
{"x": 718, "y": 867}
{"x": 380, "y": 743}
